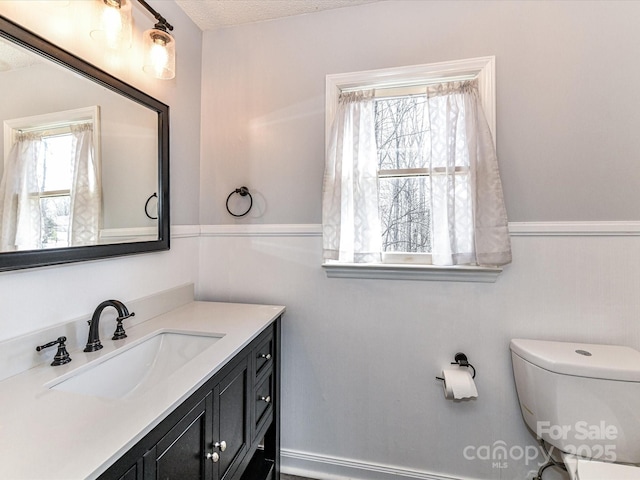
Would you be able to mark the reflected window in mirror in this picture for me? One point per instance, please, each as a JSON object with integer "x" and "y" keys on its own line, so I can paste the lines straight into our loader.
{"x": 134, "y": 148}
{"x": 51, "y": 189}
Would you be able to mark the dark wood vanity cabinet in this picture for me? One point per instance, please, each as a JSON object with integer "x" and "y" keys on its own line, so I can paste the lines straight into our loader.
{"x": 229, "y": 429}
{"x": 211, "y": 440}
{"x": 181, "y": 451}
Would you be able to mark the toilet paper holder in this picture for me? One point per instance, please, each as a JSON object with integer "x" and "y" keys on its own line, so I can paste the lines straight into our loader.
{"x": 462, "y": 361}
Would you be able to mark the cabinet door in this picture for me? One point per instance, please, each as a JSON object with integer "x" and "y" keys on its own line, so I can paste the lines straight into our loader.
{"x": 134, "y": 473}
{"x": 181, "y": 453}
{"x": 231, "y": 419}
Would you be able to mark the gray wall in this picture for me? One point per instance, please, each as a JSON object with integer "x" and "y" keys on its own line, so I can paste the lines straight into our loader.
{"x": 360, "y": 356}
{"x": 566, "y": 107}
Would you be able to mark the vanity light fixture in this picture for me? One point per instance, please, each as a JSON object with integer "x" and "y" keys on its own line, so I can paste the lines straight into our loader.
{"x": 113, "y": 24}
{"x": 159, "y": 47}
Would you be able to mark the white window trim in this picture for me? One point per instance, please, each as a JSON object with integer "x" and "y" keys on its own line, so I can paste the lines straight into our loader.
{"x": 482, "y": 68}
{"x": 51, "y": 121}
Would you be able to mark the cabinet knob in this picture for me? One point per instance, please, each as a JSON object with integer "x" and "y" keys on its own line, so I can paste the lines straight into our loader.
{"x": 214, "y": 457}
{"x": 266, "y": 399}
{"x": 266, "y": 356}
{"x": 221, "y": 445}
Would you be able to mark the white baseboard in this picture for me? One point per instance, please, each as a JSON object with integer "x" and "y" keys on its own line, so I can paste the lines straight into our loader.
{"x": 324, "y": 467}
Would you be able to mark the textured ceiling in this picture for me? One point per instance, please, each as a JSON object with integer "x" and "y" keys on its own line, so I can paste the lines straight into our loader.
{"x": 212, "y": 14}
{"x": 12, "y": 57}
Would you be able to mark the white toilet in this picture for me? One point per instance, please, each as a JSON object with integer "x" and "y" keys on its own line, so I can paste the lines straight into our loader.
{"x": 583, "y": 400}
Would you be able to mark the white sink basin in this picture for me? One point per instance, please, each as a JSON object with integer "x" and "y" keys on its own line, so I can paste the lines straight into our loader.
{"x": 128, "y": 371}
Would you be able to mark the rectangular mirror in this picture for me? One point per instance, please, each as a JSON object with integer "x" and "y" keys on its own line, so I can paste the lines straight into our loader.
{"x": 85, "y": 159}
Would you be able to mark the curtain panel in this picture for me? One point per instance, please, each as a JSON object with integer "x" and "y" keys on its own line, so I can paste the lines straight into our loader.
{"x": 468, "y": 216}
{"x": 350, "y": 220}
{"x": 20, "y": 216}
{"x": 86, "y": 194}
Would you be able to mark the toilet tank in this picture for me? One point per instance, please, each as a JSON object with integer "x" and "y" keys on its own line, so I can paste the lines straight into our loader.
{"x": 581, "y": 398}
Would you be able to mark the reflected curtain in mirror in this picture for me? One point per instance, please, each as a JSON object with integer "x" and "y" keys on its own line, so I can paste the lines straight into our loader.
{"x": 50, "y": 191}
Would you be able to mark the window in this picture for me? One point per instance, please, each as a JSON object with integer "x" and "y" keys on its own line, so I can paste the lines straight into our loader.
{"x": 403, "y": 186}
{"x": 50, "y": 183}
{"x": 417, "y": 182}
{"x": 55, "y": 169}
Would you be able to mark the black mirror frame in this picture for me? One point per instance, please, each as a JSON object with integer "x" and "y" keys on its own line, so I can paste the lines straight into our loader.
{"x": 38, "y": 258}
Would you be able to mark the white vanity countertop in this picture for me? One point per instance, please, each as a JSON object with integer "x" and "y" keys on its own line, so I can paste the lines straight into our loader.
{"x": 52, "y": 434}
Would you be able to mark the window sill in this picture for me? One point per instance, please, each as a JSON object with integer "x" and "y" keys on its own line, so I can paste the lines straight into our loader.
{"x": 385, "y": 271}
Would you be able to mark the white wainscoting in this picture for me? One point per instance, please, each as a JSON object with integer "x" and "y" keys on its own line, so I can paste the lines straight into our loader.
{"x": 37, "y": 299}
{"x": 360, "y": 399}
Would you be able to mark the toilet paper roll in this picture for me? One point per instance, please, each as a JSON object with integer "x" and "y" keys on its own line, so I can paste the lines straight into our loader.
{"x": 458, "y": 384}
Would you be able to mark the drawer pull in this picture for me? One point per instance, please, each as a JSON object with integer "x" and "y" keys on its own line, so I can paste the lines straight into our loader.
{"x": 214, "y": 457}
{"x": 221, "y": 445}
{"x": 266, "y": 356}
{"x": 266, "y": 399}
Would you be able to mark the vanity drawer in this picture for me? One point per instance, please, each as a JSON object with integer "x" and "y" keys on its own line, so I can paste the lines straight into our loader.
{"x": 263, "y": 354}
{"x": 263, "y": 403}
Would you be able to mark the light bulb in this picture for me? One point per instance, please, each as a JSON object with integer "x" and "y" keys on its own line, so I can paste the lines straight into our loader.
{"x": 159, "y": 54}
{"x": 159, "y": 57}
{"x": 112, "y": 24}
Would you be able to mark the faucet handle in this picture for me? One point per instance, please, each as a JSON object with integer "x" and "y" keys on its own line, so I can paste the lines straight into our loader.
{"x": 62, "y": 356}
{"x": 120, "y": 333}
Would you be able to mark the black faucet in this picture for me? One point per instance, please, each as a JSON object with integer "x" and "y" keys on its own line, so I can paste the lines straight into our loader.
{"x": 93, "y": 342}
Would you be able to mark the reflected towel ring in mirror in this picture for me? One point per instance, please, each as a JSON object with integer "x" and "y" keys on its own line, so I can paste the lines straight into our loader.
{"x": 243, "y": 192}
{"x": 146, "y": 206}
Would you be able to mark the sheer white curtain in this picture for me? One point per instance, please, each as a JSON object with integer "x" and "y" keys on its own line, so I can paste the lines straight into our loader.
{"x": 469, "y": 219}
{"x": 351, "y": 225}
{"x": 20, "y": 220}
{"x": 86, "y": 195}
{"x": 20, "y": 189}
{"x": 468, "y": 215}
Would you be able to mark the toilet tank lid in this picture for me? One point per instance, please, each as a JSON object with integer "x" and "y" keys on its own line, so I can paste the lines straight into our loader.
{"x": 610, "y": 362}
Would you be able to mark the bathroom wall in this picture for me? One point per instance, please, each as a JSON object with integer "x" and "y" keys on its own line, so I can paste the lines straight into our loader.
{"x": 360, "y": 397}
{"x": 37, "y": 298}
{"x": 360, "y": 356}
{"x": 562, "y": 100}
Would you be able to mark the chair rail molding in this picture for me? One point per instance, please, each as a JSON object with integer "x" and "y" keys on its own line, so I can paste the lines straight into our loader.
{"x": 516, "y": 229}
{"x": 569, "y": 229}
{"x": 262, "y": 230}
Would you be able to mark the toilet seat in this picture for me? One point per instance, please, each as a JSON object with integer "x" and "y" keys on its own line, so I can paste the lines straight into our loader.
{"x": 582, "y": 469}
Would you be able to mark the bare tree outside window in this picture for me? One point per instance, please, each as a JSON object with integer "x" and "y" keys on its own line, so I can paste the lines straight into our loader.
{"x": 54, "y": 175}
{"x": 403, "y": 181}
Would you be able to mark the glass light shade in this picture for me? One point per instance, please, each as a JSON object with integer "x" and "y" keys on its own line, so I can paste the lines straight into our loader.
{"x": 112, "y": 23}
{"x": 159, "y": 54}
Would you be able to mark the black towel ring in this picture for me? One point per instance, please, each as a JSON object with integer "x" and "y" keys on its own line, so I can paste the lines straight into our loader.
{"x": 146, "y": 206}
{"x": 243, "y": 192}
